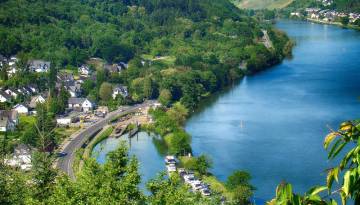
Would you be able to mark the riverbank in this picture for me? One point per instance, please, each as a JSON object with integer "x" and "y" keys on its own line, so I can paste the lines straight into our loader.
{"x": 349, "y": 26}
{"x": 272, "y": 123}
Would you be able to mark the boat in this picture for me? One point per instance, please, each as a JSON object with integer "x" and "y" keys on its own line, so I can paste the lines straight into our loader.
{"x": 171, "y": 168}
{"x": 170, "y": 159}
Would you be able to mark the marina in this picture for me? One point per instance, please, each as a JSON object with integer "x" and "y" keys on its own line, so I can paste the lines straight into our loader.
{"x": 188, "y": 177}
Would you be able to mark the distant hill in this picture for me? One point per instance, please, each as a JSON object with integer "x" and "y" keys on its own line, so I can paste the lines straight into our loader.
{"x": 261, "y": 4}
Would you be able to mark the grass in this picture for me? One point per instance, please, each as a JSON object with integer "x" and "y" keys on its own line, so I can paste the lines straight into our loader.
{"x": 62, "y": 132}
{"x": 168, "y": 60}
{"x": 217, "y": 186}
{"x": 25, "y": 120}
{"x": 98, "y": 138}
{"x": 262, "y": 4}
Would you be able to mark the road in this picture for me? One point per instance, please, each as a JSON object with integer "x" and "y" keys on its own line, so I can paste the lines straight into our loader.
{"x": 266, "y": 39}
{"x": 79, "y": 138}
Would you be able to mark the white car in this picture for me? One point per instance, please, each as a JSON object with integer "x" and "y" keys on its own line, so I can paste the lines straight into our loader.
{"x": 196, "y": 185}
{"x": 170, "y": 160}
{"x": 188, "y": 178}
{"x": 171, "y": 168}
{"x": 205, "y": 192}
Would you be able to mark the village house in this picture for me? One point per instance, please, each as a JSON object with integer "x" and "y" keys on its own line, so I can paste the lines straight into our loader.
{"x": 11, "y": 71}
{"x": 67, "y": 81}
{"x": 115, "y": 68}
{"x": 21, "y": 158}
{"x": 12, "y": 93}
{"x": 12, "y": 61}
{"x": 84, "y": 71}
{"x": 4, "y": 97}
{"x": 63, "y": 121}
{"x": 120, "y": 90}
{"x": 74, "y": 90}
{"x": 35, "y": 100}
{"x": 32, "y": 88}
{"x": 21, "y": 109}
{"x": 297, "y": 14}
{"x": 80, "y": 104}
{"x": 39, "y": 66}
{"x": 9, "y": 119}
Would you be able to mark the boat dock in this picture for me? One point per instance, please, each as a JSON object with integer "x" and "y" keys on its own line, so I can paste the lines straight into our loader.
{"x": 188, "y": 176}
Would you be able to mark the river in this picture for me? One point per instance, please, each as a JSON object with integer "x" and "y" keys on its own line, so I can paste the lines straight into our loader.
{"x": 147, "y": 149}
{"x": 273, "y": 124}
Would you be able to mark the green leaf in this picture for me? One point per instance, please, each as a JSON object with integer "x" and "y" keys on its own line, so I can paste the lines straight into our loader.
{"x": 346, "y": 186}
{"x": 317, "y": 189}
{"x": 334, "y": 147}
{"x": 333, "y": 202}
{"x": 336, "y": 152}
{"x": 329, "y": 138}
{"x": 346, "y": 159}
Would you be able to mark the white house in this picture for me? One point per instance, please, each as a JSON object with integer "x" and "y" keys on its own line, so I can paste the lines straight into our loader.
{"x": 35, "y": 100}
{"x": 12, "y": 93}
{"x": 21, "y": 158}
{"x": 21, "y": 109}
{"x": 80, "y": 104}
{"x": 12, "y": 71}
{"x": 120, "y": 90}
{"x": 63, "y": 121}
{"x": 39, "y": 66}
{"x": 4, "y": 97}
{"x": 84, "y": 70}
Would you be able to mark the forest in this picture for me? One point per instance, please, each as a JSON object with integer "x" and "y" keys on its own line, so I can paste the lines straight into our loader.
{"x": 200, "y": 44}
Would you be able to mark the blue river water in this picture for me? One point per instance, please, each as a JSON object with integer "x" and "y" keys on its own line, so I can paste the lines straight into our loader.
{"x": 273, "y": 124}
{"x": 144, "y": 146}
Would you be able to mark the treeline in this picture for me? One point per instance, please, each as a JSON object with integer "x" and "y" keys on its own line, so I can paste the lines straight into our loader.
{"x": 207, "y": 39}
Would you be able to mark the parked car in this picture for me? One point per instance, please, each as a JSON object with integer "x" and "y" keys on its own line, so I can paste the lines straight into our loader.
{"x": 181, "y": 172}
{"x": 196, "y": 185}
{"x": 205, "y": 192}
{"x": 170, "y": 160}
{"x": 61, "y": 154}
{"x": 171, "y": 168}
{"x": 188, "y": 178}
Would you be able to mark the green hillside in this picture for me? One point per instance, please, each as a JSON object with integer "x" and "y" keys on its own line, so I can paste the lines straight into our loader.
{"x": 261, "y": 4}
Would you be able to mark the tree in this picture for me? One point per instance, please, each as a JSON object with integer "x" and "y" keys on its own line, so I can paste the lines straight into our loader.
{"x": 45, "y": 124}
{"x": 344, "y": 20}
{"x": 43, "y": 174}
{"x": 178, "y": 113}
{"x": 238, "y": 178}
{"x": 13, "y": 187}
{"x": 346, "y": 137}
{"x": 63, "y": 98}
{"x": 105, "y": 91}
{"x": 115, "y": 182}
{"x": 203, "y": 164}
{"x": 3, "y": 71}
{"x": 165, "y": 97}
{"x": 180, "y": 143}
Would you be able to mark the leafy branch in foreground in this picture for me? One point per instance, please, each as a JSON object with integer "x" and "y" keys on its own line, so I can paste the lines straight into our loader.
{"x": 348, "y": 135}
